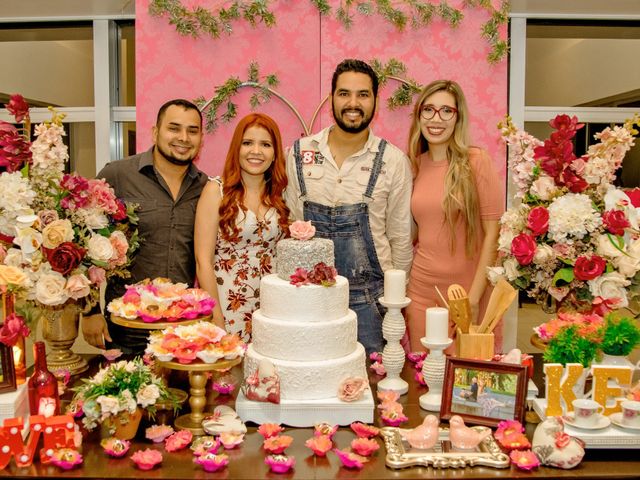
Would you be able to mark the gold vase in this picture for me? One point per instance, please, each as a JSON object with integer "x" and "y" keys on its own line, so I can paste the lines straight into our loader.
{"x": 123, "y": 426}
{"x": 60, "y": 330}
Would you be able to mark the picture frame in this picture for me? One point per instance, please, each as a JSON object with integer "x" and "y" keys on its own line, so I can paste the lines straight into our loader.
{"x": 484, "y": 392}
{"x": 8, "y": 373}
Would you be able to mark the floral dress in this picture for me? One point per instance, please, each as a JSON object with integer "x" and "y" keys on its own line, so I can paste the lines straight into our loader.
{"x": 240, "y": 265}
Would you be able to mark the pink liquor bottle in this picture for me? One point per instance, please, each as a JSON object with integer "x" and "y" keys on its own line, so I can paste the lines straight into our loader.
{"x": 43, "y": 386}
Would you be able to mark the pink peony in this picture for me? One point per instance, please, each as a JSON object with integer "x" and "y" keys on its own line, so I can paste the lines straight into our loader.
{"x": 280, "y": 463}
{"x": 211, "y": 462}
{"x": 12, "y": 329}
{"x": 178, "y": 441}
{"x": 352, "y": 389}
{"x": 508, "y": 427}
{"x": 364, "y": 431}
{"x": 320, "y": 444}
{"x": 269, "y": 429}
{"x": 349, "y": 459}
{"x": 302, "y": 230}
{"x": 364, "y": 446}
{"x": 277, "y": 444}
{"x": 146, "y": 459}
{"x": 524, "y": 460}
{"x": 114, "y": 447}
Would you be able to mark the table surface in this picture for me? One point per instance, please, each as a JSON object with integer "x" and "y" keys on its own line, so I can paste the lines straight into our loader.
{"x": 247, "y": 460}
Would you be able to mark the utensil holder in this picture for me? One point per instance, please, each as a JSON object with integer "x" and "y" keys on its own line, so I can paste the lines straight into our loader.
{"x": 474, "y": 345}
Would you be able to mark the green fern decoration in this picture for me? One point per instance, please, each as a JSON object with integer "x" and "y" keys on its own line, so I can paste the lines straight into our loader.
{"x": 395, "y": 69}
{"x": 568, "y": 346}
{"x": 621, "y": 336}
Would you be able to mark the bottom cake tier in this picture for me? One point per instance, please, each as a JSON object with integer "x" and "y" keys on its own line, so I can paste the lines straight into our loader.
{"x": 310, "y": 380}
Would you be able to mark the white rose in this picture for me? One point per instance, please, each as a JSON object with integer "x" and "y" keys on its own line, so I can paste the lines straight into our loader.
{"x": 611, "y": 286}
{"x": 148, "y": 395}
{"x": 108, "y": 404}
{"x": 511, "y": 269}
{"x": 506, "y": 237}
{"x": 50, "y": 289}
{"x": 494, "y": 274}
{"x": 96, "y": 220}
{"x": 127, "y": 402}
{"x": 13, "y": 258}
{"x": 544, "y": 188}
{"x": 544, "y": 254}
{"x": 28, "y": 239}
{"x": 99, "y": 248}
{"x": 628, "y": 265}
{"x": 57, "y": 232}
{"x": 605, "y": 248}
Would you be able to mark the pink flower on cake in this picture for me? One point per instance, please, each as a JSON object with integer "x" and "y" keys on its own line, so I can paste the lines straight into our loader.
{"x": 324, "y": 428}
{"x": 277, "y": 444}
{"x": 280, "y": 463}
{"x": 364, "y": 446}
{"x": 350, "y": 459}
{"x": 211, "y": 462}
{"x": 114, "y": 447}
{"x": 66, "y": 458}
{"x": 524, "y": 460}
{"x": 158, "y": 433}
{"x": 146, "y": 459}
{"x": 178, "y": 441}
{"x": 364, "y": 431}
{"x": 302, "y": 230}
{"x": 270, "y": 429}
{"x": 351, "y": 389}
{"x": 320, "y": 444}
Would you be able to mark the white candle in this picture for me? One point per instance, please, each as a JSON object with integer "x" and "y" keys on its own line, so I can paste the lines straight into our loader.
{"x": 437, "y": 325}
{"x": 394, "y": 286}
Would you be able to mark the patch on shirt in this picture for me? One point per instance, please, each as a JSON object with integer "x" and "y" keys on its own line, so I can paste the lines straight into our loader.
{"x": 310, "y": 157}
{"x": 368, "y": 169}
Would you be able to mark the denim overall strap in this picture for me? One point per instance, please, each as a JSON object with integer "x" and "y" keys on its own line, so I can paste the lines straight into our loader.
{"x": 355, "y": 254}
{"x": 300, "y": 175}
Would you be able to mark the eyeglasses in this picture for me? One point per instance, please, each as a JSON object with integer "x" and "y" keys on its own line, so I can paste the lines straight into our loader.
{"x": 427, "y": 112}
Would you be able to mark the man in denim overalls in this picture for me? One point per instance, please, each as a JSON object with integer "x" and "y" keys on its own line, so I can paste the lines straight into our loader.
{"x": 356, "y": 190}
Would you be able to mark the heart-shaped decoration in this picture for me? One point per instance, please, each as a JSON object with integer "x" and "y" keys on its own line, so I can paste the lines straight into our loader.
{"x": 224, "y": 419}
{"x": 554, "y": 447}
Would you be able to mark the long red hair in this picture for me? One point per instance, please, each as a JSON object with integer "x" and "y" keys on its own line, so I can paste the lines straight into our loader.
{"x": 233, "y": 188}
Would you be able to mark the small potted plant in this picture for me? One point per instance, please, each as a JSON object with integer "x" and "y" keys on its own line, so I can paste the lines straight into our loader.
{"x": 115, "y": 396}
{"x": 620, "y": 336}
{"x": 570, "y": 346}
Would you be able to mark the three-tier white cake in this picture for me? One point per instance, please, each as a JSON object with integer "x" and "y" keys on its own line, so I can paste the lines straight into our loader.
{"x": 309, "y": 334}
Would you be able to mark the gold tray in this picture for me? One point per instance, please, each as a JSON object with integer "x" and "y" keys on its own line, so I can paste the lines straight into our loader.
{"x": 139, "y": 324}
{"x": 443, "y": 455}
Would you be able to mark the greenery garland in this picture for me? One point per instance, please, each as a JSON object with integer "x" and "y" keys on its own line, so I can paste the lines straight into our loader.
{"x": 417, "y": 13}
{"x": 265, "y": 88}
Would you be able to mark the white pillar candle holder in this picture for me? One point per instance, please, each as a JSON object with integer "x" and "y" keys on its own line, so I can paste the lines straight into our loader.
{"x": 393, "y": 328}
{"x": 433, "y": 373}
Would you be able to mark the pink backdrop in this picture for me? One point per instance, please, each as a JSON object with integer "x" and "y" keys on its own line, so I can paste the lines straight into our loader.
{"x": 303, "y": 50}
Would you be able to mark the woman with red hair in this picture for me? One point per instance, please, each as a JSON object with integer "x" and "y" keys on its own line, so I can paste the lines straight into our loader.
{"x": 239, "y": 219}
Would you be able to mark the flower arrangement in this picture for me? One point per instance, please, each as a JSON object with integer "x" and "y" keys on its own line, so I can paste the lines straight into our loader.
{"x": 202, "y": 340}
{"x": 573, "y": 237}
{"x": 322, "y": 274}
{"x": 119, "y": 388}
{"x": 62, "y": 235}
{"x": 162, "y": 300}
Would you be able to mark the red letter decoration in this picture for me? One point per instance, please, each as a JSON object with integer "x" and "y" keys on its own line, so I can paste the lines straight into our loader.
{"x": 55, "y": 436}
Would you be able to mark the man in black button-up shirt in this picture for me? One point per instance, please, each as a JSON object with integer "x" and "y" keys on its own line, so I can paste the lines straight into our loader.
{"x": 166, "y": 185}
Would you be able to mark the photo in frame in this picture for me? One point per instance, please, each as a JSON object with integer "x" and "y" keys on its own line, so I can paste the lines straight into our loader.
{"x": 483, "y": 392}
{"x": 8, "y": 374}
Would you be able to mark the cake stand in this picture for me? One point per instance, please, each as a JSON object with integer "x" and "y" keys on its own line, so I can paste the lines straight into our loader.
{"x": 197, "y": 381}
{"x": 138, "y": 324}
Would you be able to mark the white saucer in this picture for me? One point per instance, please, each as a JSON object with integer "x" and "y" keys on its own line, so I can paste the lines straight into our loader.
{"x": 603, "y": 422}
{"x": 616, "y": 419}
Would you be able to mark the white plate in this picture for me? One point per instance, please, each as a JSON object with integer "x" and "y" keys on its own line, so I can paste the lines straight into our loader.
{"x": 616, "y": 419}
{"x": 603, "y": 422}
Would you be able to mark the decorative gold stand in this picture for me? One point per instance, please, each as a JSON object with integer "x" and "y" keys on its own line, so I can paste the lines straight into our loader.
{"x": 139, "y": 324}
{"x": 537, "y": 342}
{"x": 197, "y": 381}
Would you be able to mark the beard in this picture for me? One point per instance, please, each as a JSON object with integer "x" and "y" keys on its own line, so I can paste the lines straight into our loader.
{"x": 176, "y": 161}
{"x": 353, "y": 128}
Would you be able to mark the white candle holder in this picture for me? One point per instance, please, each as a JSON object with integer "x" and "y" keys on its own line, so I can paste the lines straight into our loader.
{"x": 433, "y": 373}
{"x": 393, "y": 328}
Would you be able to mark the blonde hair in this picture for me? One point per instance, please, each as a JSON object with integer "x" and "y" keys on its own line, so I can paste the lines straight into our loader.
{"x": 461, "y": 197}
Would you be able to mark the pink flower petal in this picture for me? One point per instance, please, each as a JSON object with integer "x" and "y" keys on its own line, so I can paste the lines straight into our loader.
{"x": 364, "y": 446}
{"x": 211, "y": 462}
{"x": 280, "y": 463}
{"x": 320, "y": 444}
{"x": 524, "y": 460}
{"x": 146, "y": 459}
{"x": 325, "y": 428}
{"x": 349, "y": 459}
{"x": 114, "y": 447}
{"x": 66, "y": 458}
{"x": 231, "y": 440}
{"x": 278, "y": 444}
{"x": 364, "y": 431}
{"x": 178, "y": 441}
{"x": 270, "y": 429}
{"x": 158, "y": 433}
{"x": 206, "y": 444}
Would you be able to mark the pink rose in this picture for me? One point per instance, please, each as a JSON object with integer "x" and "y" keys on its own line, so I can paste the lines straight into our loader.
{"x": 352, "y": 388}
{"x": 97, "y": 275}
{"x": 77, "y": 286}
{"x": 538, "y": 221}
{"x": 587, "y": 268}
{"x": 12, "y": 329}
{"x": 615, "y": 221}
{"x": 302, "y": 230}
{"x": 17, "y": 107}
{"x": 523, "y": 247}
{"x": 120, "y": 247}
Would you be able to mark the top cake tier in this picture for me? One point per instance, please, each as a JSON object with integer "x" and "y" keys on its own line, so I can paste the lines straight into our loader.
{"x": 292, "y": 254}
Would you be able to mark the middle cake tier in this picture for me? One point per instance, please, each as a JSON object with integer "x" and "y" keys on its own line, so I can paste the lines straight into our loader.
{"x": 304, "y": 380}
{"x": 304, "y": 340}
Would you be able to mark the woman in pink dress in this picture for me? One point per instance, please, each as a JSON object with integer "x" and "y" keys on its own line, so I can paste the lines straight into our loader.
{"x": 456, "y": 205}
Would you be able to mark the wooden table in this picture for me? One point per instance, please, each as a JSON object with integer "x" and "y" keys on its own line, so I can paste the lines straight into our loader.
{"x": 247, "y": 461}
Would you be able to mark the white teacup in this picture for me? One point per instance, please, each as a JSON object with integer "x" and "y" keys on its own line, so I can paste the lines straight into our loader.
{"x": 587, "y": 412}
{"x": 631, "y": 413}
